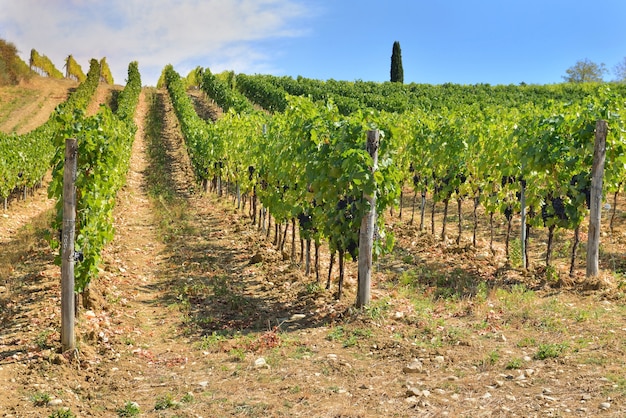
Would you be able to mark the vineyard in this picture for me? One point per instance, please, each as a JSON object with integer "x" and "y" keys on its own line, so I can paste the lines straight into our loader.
{"x": 219, "y": 245}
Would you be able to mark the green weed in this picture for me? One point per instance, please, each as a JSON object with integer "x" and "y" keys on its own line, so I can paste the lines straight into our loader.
{"x": 546, "y": 351}
{"x": 129, "y": 410}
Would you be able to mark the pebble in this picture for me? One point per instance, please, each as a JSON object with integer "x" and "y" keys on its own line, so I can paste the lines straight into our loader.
{"x": 204, "y": 383}
{"x": 297, "y": 317}
{"x": 585, "y": 397}
{"x": 332, "y": 357}
{"x": 260, "y": 363}
{"x": 439, "y": 359}
{"x": 414, "y": 367}
{"x": 399, "y": 315}
{"x": 55, "y": 402}
{"x": 510, "y": 398}
{"x": 605, "y": 405}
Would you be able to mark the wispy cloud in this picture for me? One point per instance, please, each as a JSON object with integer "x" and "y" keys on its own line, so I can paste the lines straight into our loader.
{"x": 211, "y": 33}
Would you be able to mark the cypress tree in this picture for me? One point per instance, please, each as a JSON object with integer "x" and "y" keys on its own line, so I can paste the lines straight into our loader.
{"x": 397, "y": 73}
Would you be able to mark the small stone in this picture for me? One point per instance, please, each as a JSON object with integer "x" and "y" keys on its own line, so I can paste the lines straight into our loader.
{"x": 527, "y": 358}
{"x": 411, "y": 400}
{"x": 414, "y": 367}
{"x": 530, "y": 372}
{"x": 399, "y": 315}
{"x": 510, "y": 398}
{"x": 440, "y": 359}
{"x": 345, "y": 364}
{"x": 332, "y": 357}
{"x": 425, "y": 393}
{"x": 55, "y": 402}
{"x": 585, "y": 397}
{"x": 256, "y": 259}
{"x": 58, "y": 359}
{"x": 203, "y": 384}
{"x": 499, "y": 383}
{"x": 297, "y": 317}
{"x": 605, "y": 405}
{"x": 411, "y": 391}
{"x": 260, "y": 363}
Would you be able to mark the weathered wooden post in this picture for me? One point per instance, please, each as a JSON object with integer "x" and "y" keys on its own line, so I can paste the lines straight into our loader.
{"x": 595, "y": 207}
{"x": 366, "y": 234}
{"x": 523, "y": 226}
{"x": 68, "y": 340}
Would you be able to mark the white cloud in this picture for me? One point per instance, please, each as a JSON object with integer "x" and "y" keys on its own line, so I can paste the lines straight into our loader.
{"x": 218, "y": 34}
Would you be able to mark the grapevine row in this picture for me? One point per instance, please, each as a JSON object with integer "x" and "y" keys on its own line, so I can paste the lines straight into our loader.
{"x": 308, "y": 163}
{"x": 73, "y": 69}
{"x": 26, "y": 158}
{"x": 43, "y": 64}
{"x": 488, "y": 152}
{"x": 104, "y": 145}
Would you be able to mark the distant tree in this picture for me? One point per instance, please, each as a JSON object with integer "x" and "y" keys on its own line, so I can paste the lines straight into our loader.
{"x": 397, "y": 73}
{"x": 12, "y": 68}
{"x": 585, "y": 71}
{"x": 620, "y": 71}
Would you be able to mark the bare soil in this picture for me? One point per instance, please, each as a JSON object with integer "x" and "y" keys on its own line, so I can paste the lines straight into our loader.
{"x": 197, "y": 314}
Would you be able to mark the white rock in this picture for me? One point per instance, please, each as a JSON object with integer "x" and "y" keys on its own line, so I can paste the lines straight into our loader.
{"x": 414, "y": 367}
{"x": 332, "y": 357}
{"x": 55, "y": 402}
{"x": 399, "y": 315}
{"x": 439, "y": 359}
{"x": 605, "y": 405}
{"x": 260, "y": 363}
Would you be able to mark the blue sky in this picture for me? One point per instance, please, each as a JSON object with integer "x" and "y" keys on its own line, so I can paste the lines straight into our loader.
{"x": 457, "y": 41}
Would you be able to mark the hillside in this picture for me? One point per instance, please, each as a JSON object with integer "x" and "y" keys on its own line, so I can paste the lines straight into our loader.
{"x": 197, "y": 314}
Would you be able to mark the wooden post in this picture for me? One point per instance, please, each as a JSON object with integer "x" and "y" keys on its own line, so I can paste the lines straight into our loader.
{"x": 68, "y": 340}
{"x": 366, "y": 234}
{"x": 523, "y": 228}
{"x": 597, "y": 173}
